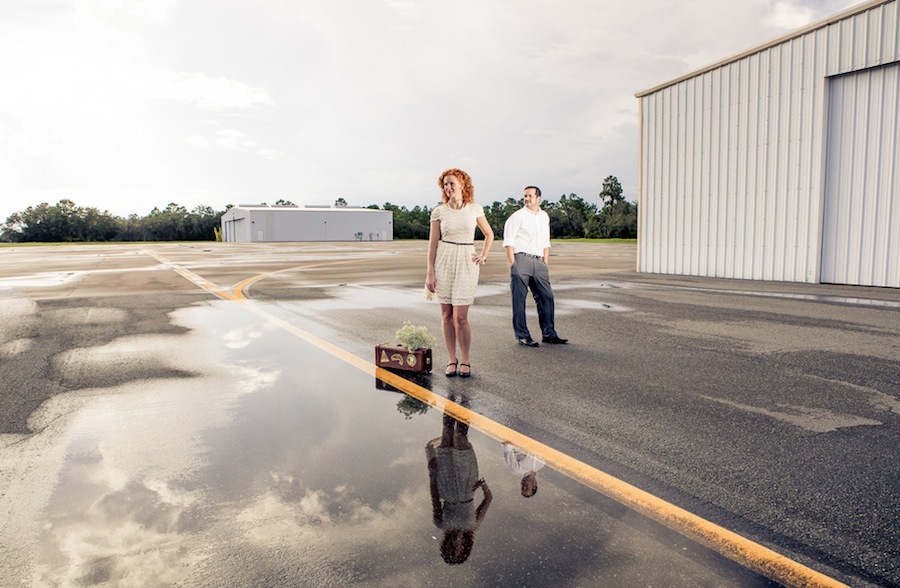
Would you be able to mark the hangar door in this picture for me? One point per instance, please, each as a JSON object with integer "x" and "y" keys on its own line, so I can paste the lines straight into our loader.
{"x": 861, "y": 232}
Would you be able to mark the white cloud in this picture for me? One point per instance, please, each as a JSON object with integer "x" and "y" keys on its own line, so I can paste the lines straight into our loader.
{"x": 128, "y": 105}
{"x": 213, "y": 94}
{"x": 231, "y": 139}
{"x": 789, "y": 15}
{"x": 156, "y": 11}
{"x": 539, "y": 133}
{"x": 272, "y": 154}
{"x": 198, "y": 141}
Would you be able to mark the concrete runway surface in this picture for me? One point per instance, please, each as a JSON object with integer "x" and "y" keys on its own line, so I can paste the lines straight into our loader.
{"x": 150, "y": 429}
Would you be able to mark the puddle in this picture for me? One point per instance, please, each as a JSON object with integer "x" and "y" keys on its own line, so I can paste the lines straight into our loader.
{"x": 813, "y": 419}
{"x": 286, "y": 466}
{"x": 370, "y": 296}
{"x": 53, "y": 279}
{"x": 571, "y": 304}
{"x": 39, "y": 280}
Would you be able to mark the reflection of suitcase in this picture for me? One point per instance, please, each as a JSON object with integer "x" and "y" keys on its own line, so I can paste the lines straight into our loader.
{"x": 422, "y": 379}
{"x": 397, "y": 357}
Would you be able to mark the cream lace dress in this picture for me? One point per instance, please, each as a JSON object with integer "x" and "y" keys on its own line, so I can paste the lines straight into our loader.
{"x": 454, "y": 270}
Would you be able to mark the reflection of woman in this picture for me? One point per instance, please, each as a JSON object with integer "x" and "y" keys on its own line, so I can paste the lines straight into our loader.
{"x": 453, "y": 477}
{"x": 453, "y": 265}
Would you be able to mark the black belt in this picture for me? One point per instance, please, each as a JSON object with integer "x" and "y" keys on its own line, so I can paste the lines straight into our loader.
{"x": 530, "y": 255}
{"x": 452, "y": 243}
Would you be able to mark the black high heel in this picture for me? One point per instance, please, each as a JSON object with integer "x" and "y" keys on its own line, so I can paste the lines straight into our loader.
{"x": 465, "y": 374}
{"x": 454, "y": 372}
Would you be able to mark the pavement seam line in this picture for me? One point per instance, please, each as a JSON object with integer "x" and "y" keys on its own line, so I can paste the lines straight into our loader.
{"x": 744, "y": 551}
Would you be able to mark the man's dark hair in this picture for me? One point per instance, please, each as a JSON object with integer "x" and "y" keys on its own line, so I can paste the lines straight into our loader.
{"x": 536, "y": 189}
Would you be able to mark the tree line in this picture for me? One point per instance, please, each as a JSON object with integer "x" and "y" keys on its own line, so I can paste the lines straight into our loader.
{"x": 570, "y": 216}
{"x": 65, "y": 222}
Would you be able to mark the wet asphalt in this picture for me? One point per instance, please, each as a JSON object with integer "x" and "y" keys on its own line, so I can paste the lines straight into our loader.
{"x": 153, "y": 434}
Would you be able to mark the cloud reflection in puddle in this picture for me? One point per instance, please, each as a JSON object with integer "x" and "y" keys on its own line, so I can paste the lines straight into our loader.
{"x": 279, "y": 465}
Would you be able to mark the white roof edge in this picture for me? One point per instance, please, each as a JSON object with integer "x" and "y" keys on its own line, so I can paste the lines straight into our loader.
{"x": 799, "y": 32}
{"x": 307, "y": 209}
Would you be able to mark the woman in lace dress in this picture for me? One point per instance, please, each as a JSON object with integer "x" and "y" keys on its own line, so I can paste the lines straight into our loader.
{"x": 453, "y": 264}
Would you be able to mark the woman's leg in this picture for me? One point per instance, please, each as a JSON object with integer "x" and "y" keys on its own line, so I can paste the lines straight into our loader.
{"x": 461, "y": 436}
{"x": 448, "y": 328}
{"x": 463, "y": 333}
{"x": 448, "y": 431}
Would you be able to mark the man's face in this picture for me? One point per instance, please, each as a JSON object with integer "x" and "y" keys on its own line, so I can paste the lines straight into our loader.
{"x": 532, "y": 200}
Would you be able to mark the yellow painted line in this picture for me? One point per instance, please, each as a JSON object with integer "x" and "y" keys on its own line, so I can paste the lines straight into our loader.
{"x": 237, "y": 293}
{"x": 748, "y": 553}
{"x": 240, "y": 286}
{"x": 192, "y": 277}
{"x": 733, "y": 546}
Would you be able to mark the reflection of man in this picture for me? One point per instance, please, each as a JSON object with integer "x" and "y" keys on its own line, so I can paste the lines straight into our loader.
{"x": 526, "y": 239}
{"x": 520, "y": 462}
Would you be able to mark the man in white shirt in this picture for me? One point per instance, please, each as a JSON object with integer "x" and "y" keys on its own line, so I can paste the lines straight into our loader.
{"x": 526, "y": 239}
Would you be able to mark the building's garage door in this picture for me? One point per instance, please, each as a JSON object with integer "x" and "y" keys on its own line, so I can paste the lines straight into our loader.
{"x": 861, "y": 236}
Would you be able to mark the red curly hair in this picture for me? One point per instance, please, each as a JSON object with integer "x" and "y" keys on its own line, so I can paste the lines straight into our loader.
{"x": 468, "y": 190}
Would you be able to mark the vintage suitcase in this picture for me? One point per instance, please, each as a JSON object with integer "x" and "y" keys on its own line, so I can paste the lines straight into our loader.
{"x": 398, "y": 357}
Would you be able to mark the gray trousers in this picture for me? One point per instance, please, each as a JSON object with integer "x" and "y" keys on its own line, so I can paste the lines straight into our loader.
{"x": 531, "y": 272}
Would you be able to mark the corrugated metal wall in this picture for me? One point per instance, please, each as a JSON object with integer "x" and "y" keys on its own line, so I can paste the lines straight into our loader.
{"x": 236, "y": 226}
{"x": 259, "y": 224}
{"x": 733, "y": 157}
{"x": 861, "y": 239}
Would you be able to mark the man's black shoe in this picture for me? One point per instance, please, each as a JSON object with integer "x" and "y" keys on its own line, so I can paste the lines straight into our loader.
{"x": 529, "y": 342}
{"x": 555, "y": 340}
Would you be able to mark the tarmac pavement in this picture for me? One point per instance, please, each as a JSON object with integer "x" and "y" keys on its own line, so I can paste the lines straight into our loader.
{"x": 772, "y": 409}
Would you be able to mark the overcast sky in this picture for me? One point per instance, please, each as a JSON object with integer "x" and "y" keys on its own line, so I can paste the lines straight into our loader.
{"x": 126, "y": 105}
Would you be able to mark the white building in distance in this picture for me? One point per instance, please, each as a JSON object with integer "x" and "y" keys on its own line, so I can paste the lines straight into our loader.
{"x": 781, "y": 162}
{"x": 258, "y": 223}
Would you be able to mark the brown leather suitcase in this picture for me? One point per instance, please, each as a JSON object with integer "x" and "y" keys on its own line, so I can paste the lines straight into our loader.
{"x": 398, "y": 357}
